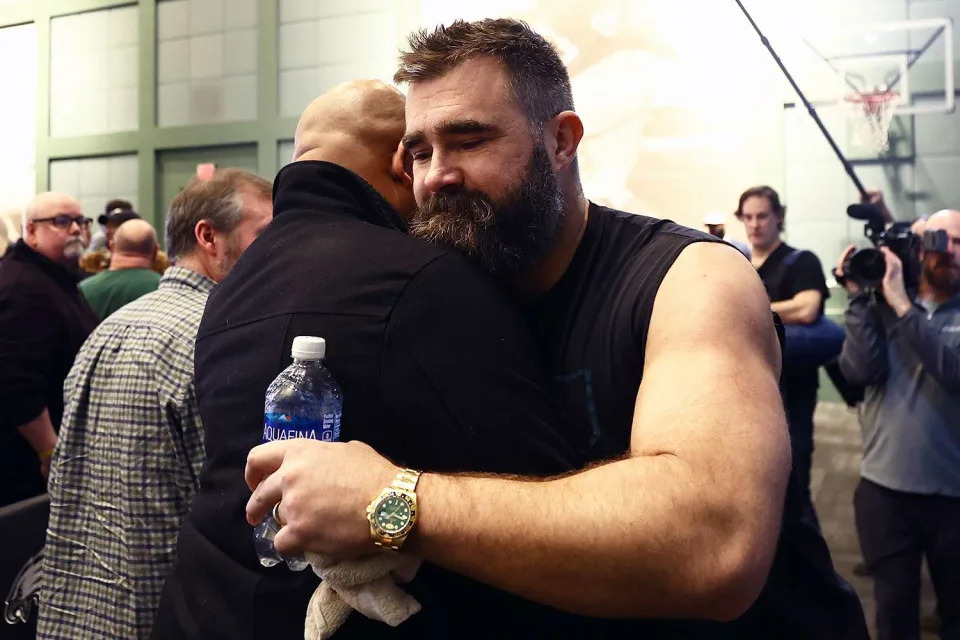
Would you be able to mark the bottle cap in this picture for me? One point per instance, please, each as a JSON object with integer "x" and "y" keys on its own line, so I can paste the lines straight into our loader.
{"x": 308, "y": 348}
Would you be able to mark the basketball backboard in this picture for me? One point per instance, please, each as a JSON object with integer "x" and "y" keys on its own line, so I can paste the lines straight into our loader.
{"x": 882, "y": 73}
{"x": 913, "y": 58}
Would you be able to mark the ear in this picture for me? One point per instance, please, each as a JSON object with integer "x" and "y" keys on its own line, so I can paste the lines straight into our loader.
{"x": 562, "y": 135}
{"x": 401, "y": 167}
{"x": 110, "y": 245}
{"x": 206, "y": 237}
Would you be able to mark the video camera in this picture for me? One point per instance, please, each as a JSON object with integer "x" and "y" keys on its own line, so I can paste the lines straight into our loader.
{"x": 867, "y": 266}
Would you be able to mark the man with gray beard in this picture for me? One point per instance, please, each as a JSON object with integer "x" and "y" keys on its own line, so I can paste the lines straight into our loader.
{"x": 43, "y": 322}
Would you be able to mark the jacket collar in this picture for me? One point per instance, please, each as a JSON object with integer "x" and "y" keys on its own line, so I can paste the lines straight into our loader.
{"x": 63, "y": 276}
{"x": 323, "y": 186}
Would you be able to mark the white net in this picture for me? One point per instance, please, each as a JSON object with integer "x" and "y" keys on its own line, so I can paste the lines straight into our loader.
{"x": 871, "y": 114}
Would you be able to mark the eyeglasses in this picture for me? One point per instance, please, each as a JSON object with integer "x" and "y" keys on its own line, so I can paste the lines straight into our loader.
{"x": 63, "y": 221}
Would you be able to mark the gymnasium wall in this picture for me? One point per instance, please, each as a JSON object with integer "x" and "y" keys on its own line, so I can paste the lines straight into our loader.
{"x": 683, "y": 107}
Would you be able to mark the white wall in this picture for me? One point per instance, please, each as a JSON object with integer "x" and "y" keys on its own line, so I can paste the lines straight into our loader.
{"x": 322, "y": 43}
{"x": 18, "y": 126}
{"x": 94, "y": 181}
{"x": 94, "y": 72}
{"x": 206, "y": 61}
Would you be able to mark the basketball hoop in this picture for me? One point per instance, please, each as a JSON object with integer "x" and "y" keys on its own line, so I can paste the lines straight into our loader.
{"x": 871, "y": 114}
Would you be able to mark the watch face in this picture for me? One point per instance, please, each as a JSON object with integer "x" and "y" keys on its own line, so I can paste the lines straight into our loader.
{"x": 392, "y": 514}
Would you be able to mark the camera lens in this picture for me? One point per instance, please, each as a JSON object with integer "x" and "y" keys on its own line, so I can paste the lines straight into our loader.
{"x": 866, "y": 267}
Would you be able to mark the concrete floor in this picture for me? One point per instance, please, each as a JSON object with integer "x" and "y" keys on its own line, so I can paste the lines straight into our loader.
{"x": 836, "y": 470}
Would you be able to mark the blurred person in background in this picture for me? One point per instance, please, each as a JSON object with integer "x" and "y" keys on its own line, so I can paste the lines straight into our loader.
{"x": 97, "y": 257}
{"x": 130, "y": 275}
{"x": 797, "y": 289}
{"x": 127, "y": 465}
{"x": 715, "y": 224}
{"x": 115, "y": 213}
{"x": 43, "y": 322}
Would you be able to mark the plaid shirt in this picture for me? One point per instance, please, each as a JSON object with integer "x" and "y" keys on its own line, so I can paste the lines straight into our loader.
{"x": 126, "y": 468}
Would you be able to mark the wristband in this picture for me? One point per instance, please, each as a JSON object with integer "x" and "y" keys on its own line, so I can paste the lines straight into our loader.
{"x": 45, "y": 455}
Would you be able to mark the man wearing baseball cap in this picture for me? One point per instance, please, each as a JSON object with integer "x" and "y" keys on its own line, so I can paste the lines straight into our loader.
{"x": 715, "y": 223}
{"x": 97, "y": 257}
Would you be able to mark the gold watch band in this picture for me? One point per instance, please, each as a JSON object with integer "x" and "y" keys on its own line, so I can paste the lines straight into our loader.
{"x": 406, "y": 480}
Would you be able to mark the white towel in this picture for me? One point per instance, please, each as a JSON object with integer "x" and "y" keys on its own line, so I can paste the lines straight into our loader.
{"x": 367, "y": 585}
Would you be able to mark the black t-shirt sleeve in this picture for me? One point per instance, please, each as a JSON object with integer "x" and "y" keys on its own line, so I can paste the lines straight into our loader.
{"x": 461, "y": 376}
{"x": 30, "y": 334}
{"x": 805, "y": 274}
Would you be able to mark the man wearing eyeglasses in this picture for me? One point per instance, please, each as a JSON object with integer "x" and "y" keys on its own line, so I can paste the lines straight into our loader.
{"x": 43, "y": 322}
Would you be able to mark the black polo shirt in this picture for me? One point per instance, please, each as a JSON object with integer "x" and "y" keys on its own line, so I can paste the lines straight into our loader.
{"x": 785, "y": 273}
{"x": 438, "y": 372}
{"x": 43, "y": 322}
{"x": 788, "y": 271}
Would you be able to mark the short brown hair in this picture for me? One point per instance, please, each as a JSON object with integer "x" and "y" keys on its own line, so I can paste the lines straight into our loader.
{"x": 218, "y": 200}
{"x": 772, "y": 197}
{"x": 538, "y": 78}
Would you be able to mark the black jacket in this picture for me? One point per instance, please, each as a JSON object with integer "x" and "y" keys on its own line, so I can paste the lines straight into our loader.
{"x": 437, "y": 369}
{"x": 43, "y": 322}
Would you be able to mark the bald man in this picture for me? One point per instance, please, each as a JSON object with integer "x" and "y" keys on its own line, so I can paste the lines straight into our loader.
{"x": 905, "y": 349}
{"x": 43, "y": 322}
{"x": 133, "y": 250}
{"x": 436, "y": 368}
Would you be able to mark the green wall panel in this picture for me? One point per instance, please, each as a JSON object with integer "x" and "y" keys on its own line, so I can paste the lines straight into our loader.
{"x": 253, "y": 144}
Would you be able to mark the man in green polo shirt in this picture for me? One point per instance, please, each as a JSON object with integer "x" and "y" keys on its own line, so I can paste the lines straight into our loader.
{"x": 133, "y": 250}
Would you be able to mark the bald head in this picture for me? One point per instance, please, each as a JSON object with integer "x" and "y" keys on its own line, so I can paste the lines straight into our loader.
{"x": 358, "y": 125}
{"x": 919, "y": 225}
{"x": 945, "y": 219}
{"x": 47, "y": 204}
{"x": 135, "y": 238}
{"x": 941, "y": 269}
{"x": 363, "y": 113}
{"x": 45, "y": 233}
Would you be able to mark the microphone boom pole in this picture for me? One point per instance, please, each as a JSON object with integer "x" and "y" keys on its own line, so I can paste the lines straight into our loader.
{"x": 813, "y": 112}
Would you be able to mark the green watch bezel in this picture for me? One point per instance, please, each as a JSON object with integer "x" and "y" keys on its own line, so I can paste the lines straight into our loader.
{"x": 403, "y": 531}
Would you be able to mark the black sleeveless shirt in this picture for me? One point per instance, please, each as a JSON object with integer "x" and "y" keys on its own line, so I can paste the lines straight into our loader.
{"x": 592, "y": 325}
{"x": 592, "y": 332}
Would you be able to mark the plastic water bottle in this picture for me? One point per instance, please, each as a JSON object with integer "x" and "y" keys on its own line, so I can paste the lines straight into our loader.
{"x": 302, "y": 402}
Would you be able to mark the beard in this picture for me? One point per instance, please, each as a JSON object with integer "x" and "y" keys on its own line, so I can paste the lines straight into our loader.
{"x": 229, "y": 259}
{"x": 73, "y": 249}
{"x": 506, "y": 236}
{"x": 942, "y": 272}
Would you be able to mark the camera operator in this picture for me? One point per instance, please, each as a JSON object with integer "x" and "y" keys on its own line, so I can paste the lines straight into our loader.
{"x": 904, "y": 346}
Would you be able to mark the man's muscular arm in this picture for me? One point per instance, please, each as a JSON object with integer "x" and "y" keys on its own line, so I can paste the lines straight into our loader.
{"x": 685, "y": 526}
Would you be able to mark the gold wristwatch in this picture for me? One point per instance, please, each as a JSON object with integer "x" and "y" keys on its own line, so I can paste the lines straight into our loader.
{"x": 393, "y": 513}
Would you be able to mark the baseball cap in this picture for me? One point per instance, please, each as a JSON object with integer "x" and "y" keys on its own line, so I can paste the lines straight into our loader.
{"x": 714, "y": 217}
{"x": 117, "y": 216}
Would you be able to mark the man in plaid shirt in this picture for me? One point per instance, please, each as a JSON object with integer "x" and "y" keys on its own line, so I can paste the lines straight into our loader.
{"x": 131, "y": 444}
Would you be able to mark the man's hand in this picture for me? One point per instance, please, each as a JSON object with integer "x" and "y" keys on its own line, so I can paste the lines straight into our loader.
{"x": 851, "y": 286}
{"x": 894, "y": 291}
{"x": 41, "y": 436}
{"x": 875, "y": 197}
{"x": 323, "y": 489}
